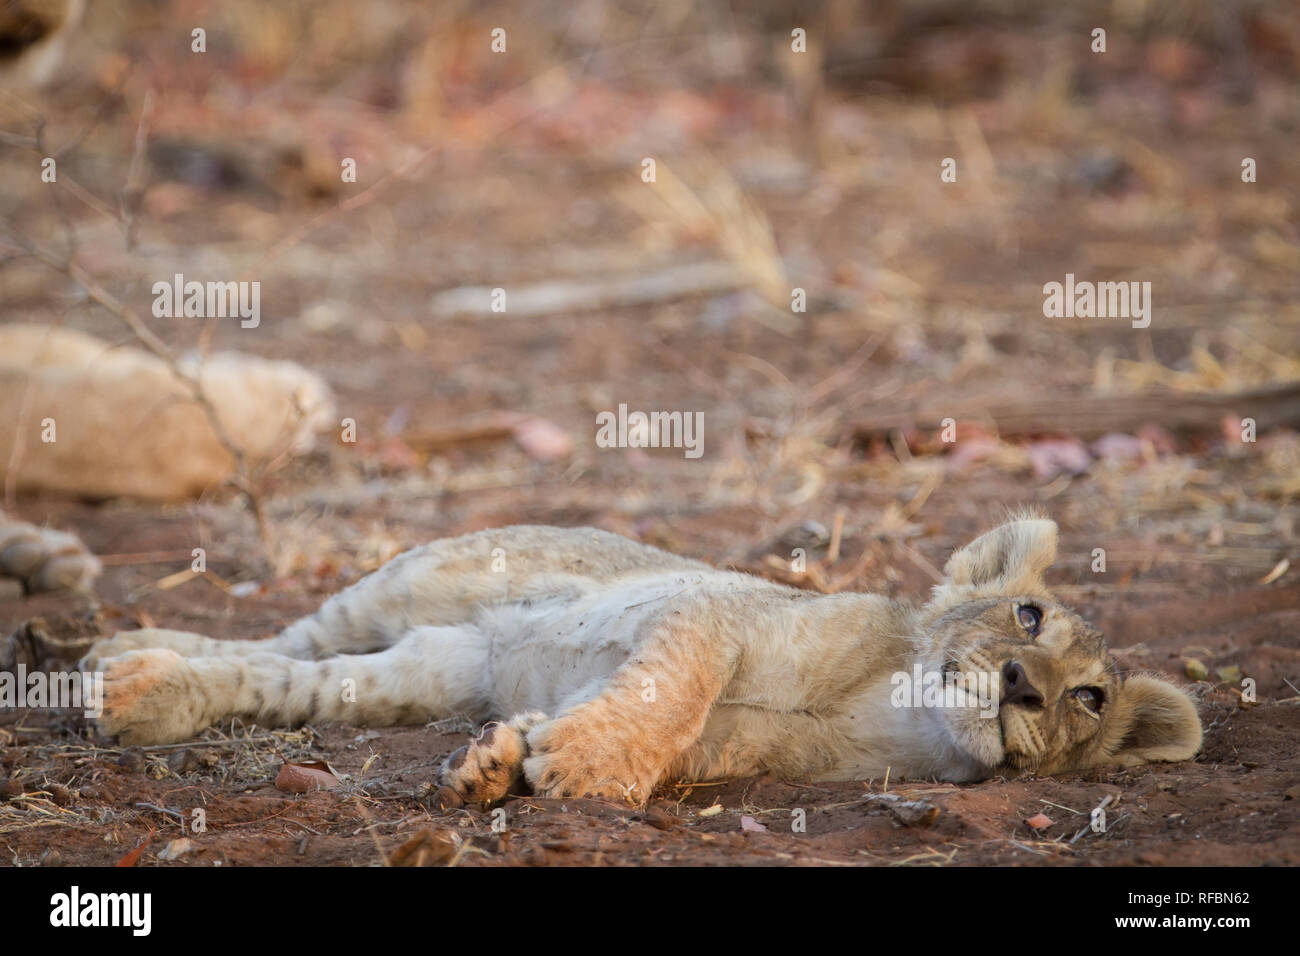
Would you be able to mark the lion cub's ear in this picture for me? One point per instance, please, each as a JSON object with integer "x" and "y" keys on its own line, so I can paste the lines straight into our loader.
{"x": 1010, "y": 559}
{"x": 1151, "y": 720}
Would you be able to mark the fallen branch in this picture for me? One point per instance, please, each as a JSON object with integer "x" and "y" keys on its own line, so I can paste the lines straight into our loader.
{"x": 1091, "y": 416}
{"x": 1106, "y": 801}
{"x": 592, "y": 294}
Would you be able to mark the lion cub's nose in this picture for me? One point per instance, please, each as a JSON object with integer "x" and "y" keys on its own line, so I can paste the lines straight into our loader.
{"x": 1016, "y": 688}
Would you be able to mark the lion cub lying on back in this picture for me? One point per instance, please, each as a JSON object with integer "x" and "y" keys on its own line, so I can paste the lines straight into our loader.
{"x": 619, "y": 666}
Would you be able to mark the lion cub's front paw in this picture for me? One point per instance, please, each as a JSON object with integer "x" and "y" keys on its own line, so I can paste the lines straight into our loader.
{"x": 491, "y": 766}
{"x": 152, "y": 696}
{"x": 567, "y": 761}
{"x": 44, "y": 559}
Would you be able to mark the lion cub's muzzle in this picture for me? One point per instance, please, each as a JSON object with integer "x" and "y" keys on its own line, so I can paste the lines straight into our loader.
{"x": 1016, "y": 688}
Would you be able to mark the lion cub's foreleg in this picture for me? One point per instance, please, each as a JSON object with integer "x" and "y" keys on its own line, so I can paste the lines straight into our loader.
{"x": 620, "y": 743}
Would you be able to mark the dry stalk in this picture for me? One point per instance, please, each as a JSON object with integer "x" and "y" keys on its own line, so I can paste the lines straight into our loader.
{"x": 242, "y": 479}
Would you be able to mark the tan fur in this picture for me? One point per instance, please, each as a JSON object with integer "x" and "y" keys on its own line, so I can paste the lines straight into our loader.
{"x": 653, "y": 667}
{"x": 33, "y": 34}
{"x": 126, "y": 425}
{"x": 44, "y": 559}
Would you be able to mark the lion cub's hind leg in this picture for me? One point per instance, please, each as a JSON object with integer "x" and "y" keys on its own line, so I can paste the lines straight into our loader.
{"x": 491, "y": 766}
{"x": 184, "y": 643}
{"x": 155, "y": 695}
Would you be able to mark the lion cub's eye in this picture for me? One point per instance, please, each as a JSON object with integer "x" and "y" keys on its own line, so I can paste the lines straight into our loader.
{"x": 1029, "y": 617}
{"x": 1090, "y": 697}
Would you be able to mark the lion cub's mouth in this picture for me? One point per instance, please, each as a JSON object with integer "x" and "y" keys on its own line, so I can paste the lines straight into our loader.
{"x": 1021, "y": 745}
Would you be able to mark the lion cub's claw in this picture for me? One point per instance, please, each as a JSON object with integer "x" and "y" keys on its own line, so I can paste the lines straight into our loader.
{"x": 491, "y": 766}
{"x": 564, "y": 761}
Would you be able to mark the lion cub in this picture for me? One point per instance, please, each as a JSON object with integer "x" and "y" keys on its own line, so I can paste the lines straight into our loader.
{"x": 81, "y": 416}
{"x": 618, "y": 666}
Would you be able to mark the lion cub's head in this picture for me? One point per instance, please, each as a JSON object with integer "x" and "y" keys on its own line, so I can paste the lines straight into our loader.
{"x": 1060, "y": 702}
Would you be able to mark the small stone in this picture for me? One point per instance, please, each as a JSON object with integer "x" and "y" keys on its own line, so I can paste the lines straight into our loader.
{"x": 10, "y": 788}
{"x": 60, "y": 794}
{"x": 182, "y": 761}
{"x": 132, "y": 760}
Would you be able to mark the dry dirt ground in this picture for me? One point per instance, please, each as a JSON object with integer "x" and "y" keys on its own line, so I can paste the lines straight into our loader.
{"x": 919, "y": 292}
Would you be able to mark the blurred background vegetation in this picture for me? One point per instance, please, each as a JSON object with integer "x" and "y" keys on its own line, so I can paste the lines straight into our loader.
{"x": 775, "y": 170}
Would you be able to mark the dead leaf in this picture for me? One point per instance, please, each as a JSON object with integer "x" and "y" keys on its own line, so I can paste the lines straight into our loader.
{"x": 1116, "y": 446}
{"x": 914, "y": 813}
{"x": 132, "y": 858}
{"x": 396, "y": 455}
{"x": 305, "y": 777}
{"x": 660, "y": 819}
{"x": 542, "y": 440}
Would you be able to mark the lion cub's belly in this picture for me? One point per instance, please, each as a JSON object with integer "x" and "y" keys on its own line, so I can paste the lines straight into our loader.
{"x": 553, "y": 652}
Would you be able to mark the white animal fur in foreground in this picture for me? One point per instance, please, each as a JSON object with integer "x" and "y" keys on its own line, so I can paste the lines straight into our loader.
{"x": 122, "y": 423}
{"x": 617, "y": 666}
